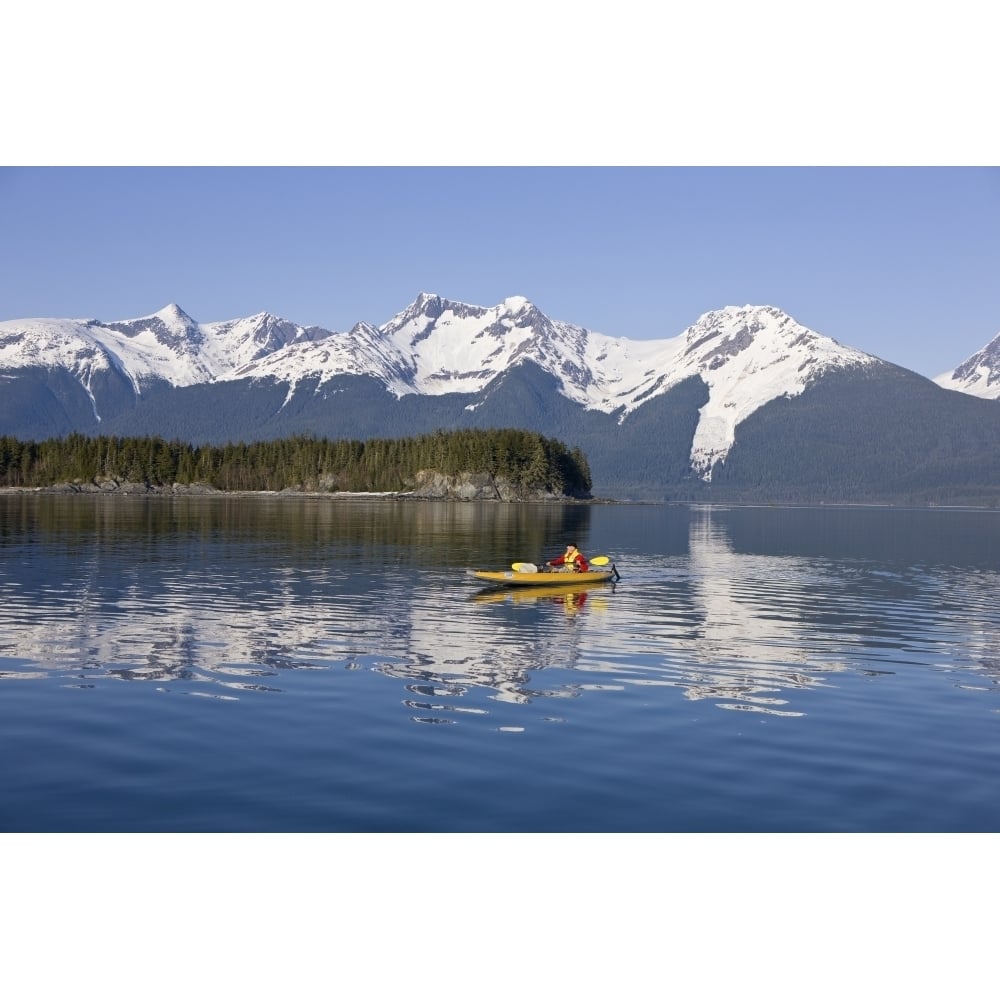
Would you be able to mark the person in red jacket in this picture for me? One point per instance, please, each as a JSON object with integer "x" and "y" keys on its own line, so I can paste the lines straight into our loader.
{"x": 571, "y": 561}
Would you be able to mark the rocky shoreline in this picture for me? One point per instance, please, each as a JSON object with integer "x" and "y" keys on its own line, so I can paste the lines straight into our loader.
{"x": 429, "y": 486}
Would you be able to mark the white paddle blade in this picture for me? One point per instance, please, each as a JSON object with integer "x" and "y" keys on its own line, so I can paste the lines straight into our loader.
{"x": 525, "y": 567}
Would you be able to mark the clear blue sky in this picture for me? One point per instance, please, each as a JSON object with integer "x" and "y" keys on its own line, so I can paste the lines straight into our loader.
{"x": 901, "y": 262}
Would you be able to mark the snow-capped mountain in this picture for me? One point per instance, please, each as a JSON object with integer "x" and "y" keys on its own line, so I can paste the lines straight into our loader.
{"x": 979, "y": 375}
{"x": 168, "y": 346}
{"x": 747, "y": 355}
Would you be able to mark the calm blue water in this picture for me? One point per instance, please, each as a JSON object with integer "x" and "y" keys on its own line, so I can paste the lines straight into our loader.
{"x": 306, "y": 664}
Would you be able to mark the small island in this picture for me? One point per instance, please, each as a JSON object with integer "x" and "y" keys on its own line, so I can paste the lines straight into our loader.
{"x": 506, "y": 465}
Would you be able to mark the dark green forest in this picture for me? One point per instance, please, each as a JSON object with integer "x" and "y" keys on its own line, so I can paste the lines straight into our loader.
{"x": 525, "y": 459}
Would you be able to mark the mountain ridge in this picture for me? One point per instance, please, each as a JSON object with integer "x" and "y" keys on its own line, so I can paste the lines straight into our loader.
{"x": 747, "y": 355}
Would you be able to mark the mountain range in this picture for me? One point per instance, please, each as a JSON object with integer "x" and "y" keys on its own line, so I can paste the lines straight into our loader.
{"x": 746, "y": 404}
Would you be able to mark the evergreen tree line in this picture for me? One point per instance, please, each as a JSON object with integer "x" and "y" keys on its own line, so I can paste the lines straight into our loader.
{"x": 526, "y": 459}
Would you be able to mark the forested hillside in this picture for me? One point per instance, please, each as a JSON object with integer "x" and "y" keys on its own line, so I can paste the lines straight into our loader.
{"x": 526, "y": 459}
{"x": 885, "y": 436}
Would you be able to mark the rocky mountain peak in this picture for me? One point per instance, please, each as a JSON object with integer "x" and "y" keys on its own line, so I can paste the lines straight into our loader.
{"x": 978, "y": 375}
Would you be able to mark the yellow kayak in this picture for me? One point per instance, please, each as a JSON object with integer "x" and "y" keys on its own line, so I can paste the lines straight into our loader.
{"x": 517, "y": 578}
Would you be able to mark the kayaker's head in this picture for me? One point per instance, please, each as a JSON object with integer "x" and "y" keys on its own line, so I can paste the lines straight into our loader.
{"x": 570, "y": 547}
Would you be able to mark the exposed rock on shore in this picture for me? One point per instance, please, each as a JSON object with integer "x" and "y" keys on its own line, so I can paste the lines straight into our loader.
{"x": 433, "y": 485}
{"x": 430, "y": 485}
{"x": 123, "y": 486}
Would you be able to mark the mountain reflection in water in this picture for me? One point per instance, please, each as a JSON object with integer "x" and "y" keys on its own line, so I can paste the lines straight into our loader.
{"x": 231, "y": 600}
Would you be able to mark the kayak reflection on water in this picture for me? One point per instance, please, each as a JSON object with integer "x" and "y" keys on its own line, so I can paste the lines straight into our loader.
{"x": 571, "y": 596}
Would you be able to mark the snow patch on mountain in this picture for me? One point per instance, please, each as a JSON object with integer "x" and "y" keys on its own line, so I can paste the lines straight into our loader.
{"x": 748, "y": 356}
{"x": 977, "y": 376}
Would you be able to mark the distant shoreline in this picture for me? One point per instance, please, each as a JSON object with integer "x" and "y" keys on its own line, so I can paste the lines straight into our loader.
{"x": 133, "y": 491}
{"x": 140, "y": 490}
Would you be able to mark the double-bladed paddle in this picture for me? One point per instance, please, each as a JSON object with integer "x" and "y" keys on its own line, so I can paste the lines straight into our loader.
{"x": 527, "y": 567}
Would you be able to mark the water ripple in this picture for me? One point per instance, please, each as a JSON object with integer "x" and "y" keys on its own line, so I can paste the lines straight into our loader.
{"x": 740, "y": 629}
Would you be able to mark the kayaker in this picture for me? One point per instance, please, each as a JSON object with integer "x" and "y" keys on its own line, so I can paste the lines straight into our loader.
{"x": 571, "y": 561}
